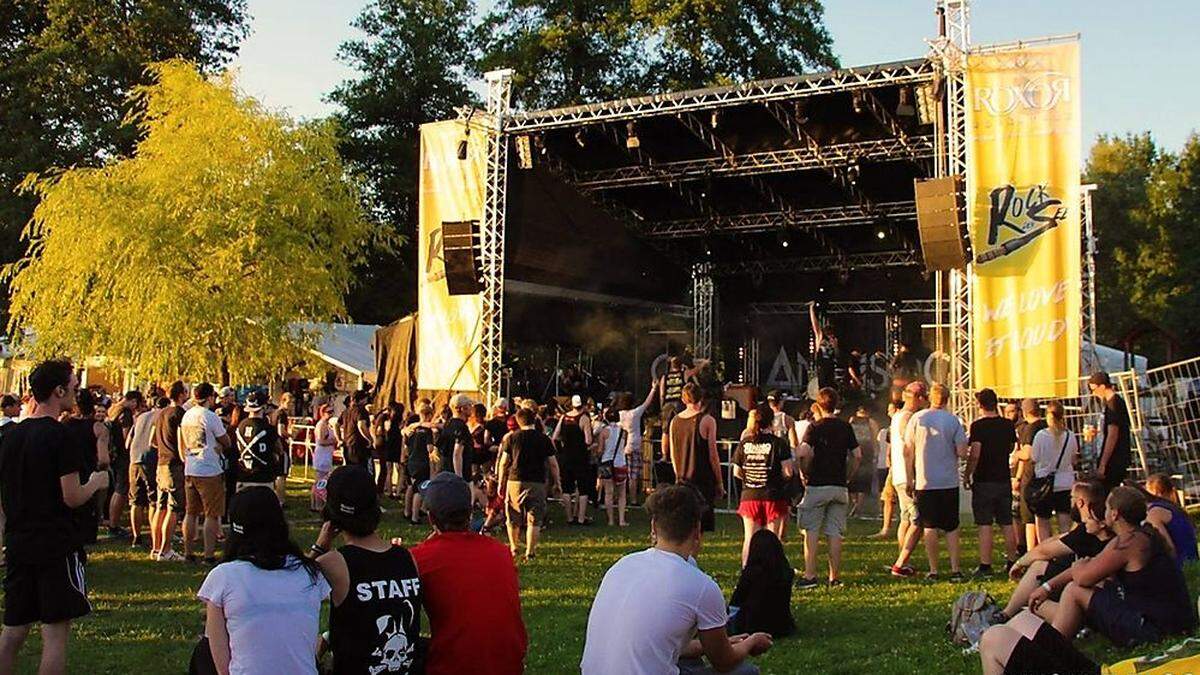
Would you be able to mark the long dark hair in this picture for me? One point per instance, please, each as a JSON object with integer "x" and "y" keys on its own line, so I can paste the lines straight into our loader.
{"x": 259, "y": 533}
{"x": 766, "y": 557}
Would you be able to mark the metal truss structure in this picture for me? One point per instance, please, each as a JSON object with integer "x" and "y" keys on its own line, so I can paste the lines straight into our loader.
{"x": 704, "y": 315}
{"x": 916, "y": 71}
{"x": 766, "y": 221}
{"x": 1088, "y": 283}
{"x": 917, "y": 148}
{"x": 815, "y": 264}
{"x": 915, "y": 306}
{"x": 491, "y": 258}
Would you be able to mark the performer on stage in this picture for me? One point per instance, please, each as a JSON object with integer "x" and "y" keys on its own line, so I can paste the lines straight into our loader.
{"x": 826, "y": 350}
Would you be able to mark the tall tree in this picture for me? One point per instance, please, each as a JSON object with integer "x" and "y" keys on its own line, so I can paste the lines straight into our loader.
{"x": 66, "y": 69}
{"x": 702, "y": 42}
{"x": 411, "y": 69}
{"x": 202, "y": 250}
{"x": 564, "y": 51}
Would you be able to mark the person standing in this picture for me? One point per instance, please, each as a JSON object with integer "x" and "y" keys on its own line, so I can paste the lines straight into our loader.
{"x": 142, "y": 464}
{"x": 202, "y": 438}
{"x": 763, "y": 462}
{"x": 937, "y": 441}
{"x": 40, "y": 484}
{"x": 475, "y": 627}
{"x": 783, "y": 425}
{"x": 670, "y": 397}
{"x": 693, "y": 452}
{"x": 631, "y": 424}
{"x": 259, "y": 451}
{"x": 826, "y": 352}
{"x": 1031, "y": 423}
{"x": 573, "y": 435}
{"x": 829, "y": 456}
{"x": 991, "y": 440}
{"x": 169, "y": 476}
{"x": 526, "y": 459}
{"x": 908, "y": 532}
{"x": 417, "y": 447}
{"x": 324, "y": 443}
{"x": 614, "y": 470}
{"x": 1116, "y": 454}
{"x": 280, "y": 418}
{"x": 375, "y": 592}
{"x": 657, "y": 612}
{"x": 355, "y": 423}
{"x": 1053, "y": 454}
{"x": 454, "y": 443}
{"x": 883, "y": 474}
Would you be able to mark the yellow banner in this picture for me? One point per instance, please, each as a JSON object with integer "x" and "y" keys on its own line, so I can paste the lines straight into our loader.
{"x": 1023, "y": 140}
{"x": 448, "y": 326}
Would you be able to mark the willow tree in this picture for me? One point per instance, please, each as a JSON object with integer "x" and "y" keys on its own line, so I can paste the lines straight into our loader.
{"x": 200, "y": 252}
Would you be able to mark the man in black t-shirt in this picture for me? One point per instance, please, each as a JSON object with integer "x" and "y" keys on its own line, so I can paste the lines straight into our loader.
{"x": 991, "y": 439}
{"x": 1031, "y": 423}
{"x": 258, "y": 448}
{"x": 526, "y": 459}
{"x": 1116, "y": 455}
{"x": 829, "y": 455}
{"x": 454, "y": 443}
{"x": 39, "y": 485}
{"x": 355, "y": 425}
{"x": 168, "y": 475}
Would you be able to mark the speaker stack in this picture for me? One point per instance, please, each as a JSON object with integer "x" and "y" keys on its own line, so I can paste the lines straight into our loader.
{"x": 460, "y": 251}
{"x": 940, "y": 221}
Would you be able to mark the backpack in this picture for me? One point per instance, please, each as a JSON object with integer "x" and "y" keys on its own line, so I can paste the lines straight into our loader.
{"x": 970, "y": 616}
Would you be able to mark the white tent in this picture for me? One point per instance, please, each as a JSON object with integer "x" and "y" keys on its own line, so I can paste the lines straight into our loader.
{"x": 348, "y": 346}
{"x": 1111, "y": 360}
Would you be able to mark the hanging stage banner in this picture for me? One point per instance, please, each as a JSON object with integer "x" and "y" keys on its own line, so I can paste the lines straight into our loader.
{"x": 1023, "y": 141}
{"x": 448, "y": 326}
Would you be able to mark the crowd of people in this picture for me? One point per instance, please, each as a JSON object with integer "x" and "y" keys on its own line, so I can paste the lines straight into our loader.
{"x": 200, "y": 470}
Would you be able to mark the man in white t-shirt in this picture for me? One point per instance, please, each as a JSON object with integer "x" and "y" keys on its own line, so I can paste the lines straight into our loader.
{"x": 937, "y": 441}
{"x": 651, "y": 604}
{"x": 631, "y": 424}
{"x": 201, "y": 438}
{"x": 907, "y": 532}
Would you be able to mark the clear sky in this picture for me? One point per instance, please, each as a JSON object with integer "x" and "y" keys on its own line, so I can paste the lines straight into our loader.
{"x": 1139, "y": 58}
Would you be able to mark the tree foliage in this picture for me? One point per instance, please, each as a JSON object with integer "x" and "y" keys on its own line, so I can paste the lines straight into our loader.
{"x": 1146, "y": 207}
{"x": 411, "y": 64}
{"x": 67, "y": 68}
{"x": 570, "y": 51}
{"x": 226, "y": 226}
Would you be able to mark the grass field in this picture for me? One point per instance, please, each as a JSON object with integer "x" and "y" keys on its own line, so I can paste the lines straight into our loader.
{"x": 147, "y": 619}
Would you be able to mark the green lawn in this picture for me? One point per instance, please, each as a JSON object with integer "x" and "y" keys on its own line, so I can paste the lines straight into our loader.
{"x": 146, "y": 614}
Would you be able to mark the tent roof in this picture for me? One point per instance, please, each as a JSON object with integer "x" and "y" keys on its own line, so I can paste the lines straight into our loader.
{"x": 349, "y": 346}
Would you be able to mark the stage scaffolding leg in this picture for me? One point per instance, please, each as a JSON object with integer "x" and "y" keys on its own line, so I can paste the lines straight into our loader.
{"x": 704, "y": 312}
{"x": 1091, "y": 360}
{"x": 499, "y": 93}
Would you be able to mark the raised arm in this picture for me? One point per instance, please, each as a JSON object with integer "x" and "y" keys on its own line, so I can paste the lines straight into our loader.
{"x": 816, "y": 325}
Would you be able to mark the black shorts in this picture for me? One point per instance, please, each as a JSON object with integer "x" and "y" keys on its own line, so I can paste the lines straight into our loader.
{"x": 1117, "y": 620}
{"x": 992, "y": 503}
{"x": 938, "y": 509}
{"x": 579, "y": 478}
{"x": 1059, "y": 502}
{"x": 119, "y": 477}
{"x": 418, "y": 475}
{"x": 48, "y": 592}
{"x": 142, "y": 484}
{"x": 1048, "y": 652}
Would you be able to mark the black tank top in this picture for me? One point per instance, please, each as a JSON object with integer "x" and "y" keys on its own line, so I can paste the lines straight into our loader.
{"x": 673, "y": 383}
{"x": 375, "y": 629}
{"x": 574, "y": 443}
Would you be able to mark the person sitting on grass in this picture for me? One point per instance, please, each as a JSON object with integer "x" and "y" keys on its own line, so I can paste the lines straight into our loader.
{"x": 762, "y": 600}
{"x": 469, "y": 589}
{"x": 263, "y": 602}
{"x": 1027, "y": 645}
{"x": 651, "y": 604}
{"x": 373, "y": 629}
{"x": 1054, "y": 556}
{"x": 1147, "y": 598}
{"x": 1172, "y": 522}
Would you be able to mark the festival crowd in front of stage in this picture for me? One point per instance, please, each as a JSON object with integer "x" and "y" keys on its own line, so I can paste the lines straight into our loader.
{"x": 72, "y": 461}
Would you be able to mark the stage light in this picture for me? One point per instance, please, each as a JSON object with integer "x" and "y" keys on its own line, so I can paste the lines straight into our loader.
{"x": 631, "y": 138}
{"x": 881, "y": 234}
{"x": 905, "y": 107}
{"x": 852, "y": 172}
{"x": 715, "y": 119}
{"x": 801, "y": 111}
{"x": 856, "y": 101}
{"x": 524, "y": 154}
{"x": 707, "y": 250}
{"x": 782, "y": 238}
{"x": 579, "y": 137}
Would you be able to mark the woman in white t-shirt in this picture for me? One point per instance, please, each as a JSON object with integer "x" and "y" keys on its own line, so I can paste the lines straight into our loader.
{"x": 1053, "y": 452}
{"x": 614, "y": 471}
{"x": 324, "y": 441}
{"x": 264, "y": 602}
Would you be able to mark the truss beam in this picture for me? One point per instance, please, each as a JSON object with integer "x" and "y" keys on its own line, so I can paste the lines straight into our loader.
{"x": 694, "y": 199}
{"x": 900, "y": 72}
{"x": 805, "y": 220}
{"x": 841, "y": 174}
{"x": 921, "y": 306}
{"x": 491, "y": 319}
{"x": 885, "y": 117}
{"x": 816, "y": 264}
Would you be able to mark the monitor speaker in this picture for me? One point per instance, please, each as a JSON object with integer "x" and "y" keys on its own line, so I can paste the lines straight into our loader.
{"x": 940, "y": 208}
{"x": 460, "y": 252}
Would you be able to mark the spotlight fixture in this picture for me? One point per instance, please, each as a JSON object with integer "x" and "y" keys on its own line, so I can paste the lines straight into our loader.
{"x": 852, "y": 172}
{"x": 631, "y": 138}
{"x": 856, "y": 101}
{"x": 715, "y": 119}
{"x": 782, "y": 238}
{"x": 905, "y": 107}
{"x": 579, "y": 137}
{"x": 801, "y": 111}
{"x": 880, "y": 234}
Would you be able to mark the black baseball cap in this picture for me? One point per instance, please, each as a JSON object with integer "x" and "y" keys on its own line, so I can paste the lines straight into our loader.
{"x": 350, "y": 494}
{"x": 256, "y": 400}
{"x": 445, "y": 494}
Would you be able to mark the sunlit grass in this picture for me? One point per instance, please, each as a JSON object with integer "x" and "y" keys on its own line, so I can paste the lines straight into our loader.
{"x": 147, "y": 618}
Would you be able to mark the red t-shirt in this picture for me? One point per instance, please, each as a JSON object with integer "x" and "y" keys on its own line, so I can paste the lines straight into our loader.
{"x": 471, "y": 595}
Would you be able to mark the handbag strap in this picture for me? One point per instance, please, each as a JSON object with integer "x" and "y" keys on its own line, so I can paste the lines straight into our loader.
{"x": 1063, "y": 452}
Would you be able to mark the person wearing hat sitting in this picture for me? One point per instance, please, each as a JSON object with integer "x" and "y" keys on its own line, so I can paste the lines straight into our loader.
{"x": 375, "y": 594}
{"x": 475, "y": 627}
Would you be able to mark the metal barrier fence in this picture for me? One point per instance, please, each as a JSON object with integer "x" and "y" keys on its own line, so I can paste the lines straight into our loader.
{"x": 1169, "y": 412}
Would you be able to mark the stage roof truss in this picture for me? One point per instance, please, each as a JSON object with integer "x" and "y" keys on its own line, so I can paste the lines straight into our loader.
{"x": 790, "y": 121}
{"x": 817, "y": 264}
{"x": 885, "y": 117}
{"x": 806, "y": 220}
{"x": 694, "y": 199}
{"x": 915, "y": 306}
{"x": 916, "y": 71}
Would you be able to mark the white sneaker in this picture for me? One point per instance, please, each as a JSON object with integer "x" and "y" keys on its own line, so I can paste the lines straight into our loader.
{"x": 154, "y": 555}
{"x": 170, "y": 556}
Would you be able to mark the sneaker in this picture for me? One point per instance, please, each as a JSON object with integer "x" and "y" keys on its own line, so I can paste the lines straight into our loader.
{"x": 805, "y": 583}
{"x": 834, "y": 583}
{"x": 170, "y": 556}
{"x": 956, "y": 576}
{"x": 981, "y": 571}
{"x": 117, "y": 532}
{"x": 931, "y": 576}
{"x": 904, "y": 572}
